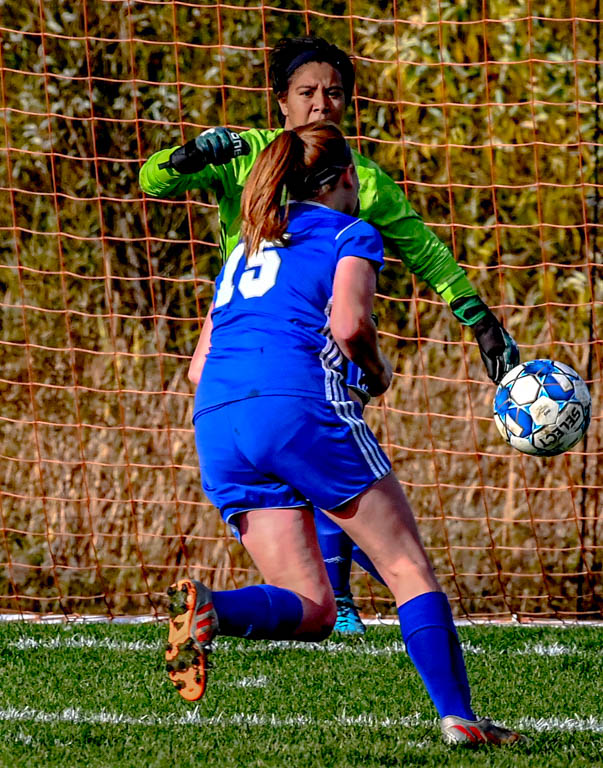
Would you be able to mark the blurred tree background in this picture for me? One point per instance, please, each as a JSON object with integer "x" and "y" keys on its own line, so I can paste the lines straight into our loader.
{"x": 489, "y": 116}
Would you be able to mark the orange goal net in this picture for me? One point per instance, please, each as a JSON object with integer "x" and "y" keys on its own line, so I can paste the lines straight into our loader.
{"x": 490, "y": 118}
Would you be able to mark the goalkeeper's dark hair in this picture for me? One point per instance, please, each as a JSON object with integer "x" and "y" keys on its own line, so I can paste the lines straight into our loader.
{"x": 305, "y": 162}
{"x": 290, "y": 53}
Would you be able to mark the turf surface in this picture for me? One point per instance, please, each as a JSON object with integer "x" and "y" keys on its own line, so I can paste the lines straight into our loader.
{"x": 97, "y": 695}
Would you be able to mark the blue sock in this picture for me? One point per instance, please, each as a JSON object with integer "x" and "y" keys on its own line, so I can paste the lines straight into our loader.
{"x": 336, "y": 548}
{"x": 262, "y": 612}
{"x": 431, "y": 641}
{"x": 359, "y": 556}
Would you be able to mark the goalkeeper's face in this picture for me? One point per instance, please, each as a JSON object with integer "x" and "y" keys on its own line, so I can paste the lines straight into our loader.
{"x": 315, "y": 92}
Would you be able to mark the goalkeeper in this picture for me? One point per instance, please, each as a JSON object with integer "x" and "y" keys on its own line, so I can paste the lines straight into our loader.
{"x": 314, "y": 80}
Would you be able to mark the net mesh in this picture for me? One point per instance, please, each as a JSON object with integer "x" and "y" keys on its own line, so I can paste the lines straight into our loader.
{"x": 489, "y": 117}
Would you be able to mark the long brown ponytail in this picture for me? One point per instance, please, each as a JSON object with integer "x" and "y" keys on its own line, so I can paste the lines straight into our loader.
{"x": 304, "y": 161}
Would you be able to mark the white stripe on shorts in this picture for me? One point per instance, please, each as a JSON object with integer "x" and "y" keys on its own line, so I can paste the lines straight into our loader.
{"x": 364, "y": 438}
{"x": 331, "y": 359}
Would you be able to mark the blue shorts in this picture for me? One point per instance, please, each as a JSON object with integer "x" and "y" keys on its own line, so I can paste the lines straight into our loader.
{"x": 282, "y": 451}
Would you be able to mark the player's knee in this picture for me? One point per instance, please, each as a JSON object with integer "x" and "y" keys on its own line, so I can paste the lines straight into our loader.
{"x": 319, "y": 623}
{"x": 405, "y": 570}
{"x": 328, "y": 619}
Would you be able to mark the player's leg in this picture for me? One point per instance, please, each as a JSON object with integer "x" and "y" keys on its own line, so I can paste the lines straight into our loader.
{"x": 338, "y": 552}
{"x": 278, "y": 532}
{"x": 381, "y": 522}
{"x": 296, "y": 602}
{"x": 284, "y": 546}
{"x": 361, "y": 559}
{"x": 242, "y": 474}
{"x": 336, "y": 547}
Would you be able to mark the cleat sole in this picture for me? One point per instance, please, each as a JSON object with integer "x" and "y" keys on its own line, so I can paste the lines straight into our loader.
{"x": 189, "y": 637}
{"x": 190, "y": 681}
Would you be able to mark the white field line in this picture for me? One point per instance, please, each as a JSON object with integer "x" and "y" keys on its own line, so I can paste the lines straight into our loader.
{"x": 78, "y": 642}
{"x": 196, "y": 718}
{"x": 368, "y": 649}
{"x": 574, "y": 724}
{"x": 82, "y": 642}
{"x": 248, "y": 682}
{"x": 502, "y": 623}
{"x": 512, "y": 621}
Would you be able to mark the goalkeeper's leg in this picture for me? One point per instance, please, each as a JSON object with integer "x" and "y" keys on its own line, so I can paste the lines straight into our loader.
{"x": 336, "y": 547}
{"x": 338, "y": 551}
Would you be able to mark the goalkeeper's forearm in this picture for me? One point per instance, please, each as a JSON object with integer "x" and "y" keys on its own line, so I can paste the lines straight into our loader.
{"x": 173, "y": 171}
{"x": 161, "y": 181}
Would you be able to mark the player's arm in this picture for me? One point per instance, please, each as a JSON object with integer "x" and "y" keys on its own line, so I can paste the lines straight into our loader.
{"x": 352, "y": 326}
{"x": 195, "y": 368}
{"x": 355, "y": 380}
{"x": 194, "y": 165}
{"x": 429, "y": 258}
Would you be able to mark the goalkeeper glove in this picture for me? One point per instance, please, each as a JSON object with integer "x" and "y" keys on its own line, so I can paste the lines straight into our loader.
{"x": 497, "y": 347}
{"x": 215, "y": 145}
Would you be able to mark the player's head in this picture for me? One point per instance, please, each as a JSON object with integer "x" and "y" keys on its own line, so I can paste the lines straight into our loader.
{"x": 313, "y": 162}
{"x": 311, "y": 79}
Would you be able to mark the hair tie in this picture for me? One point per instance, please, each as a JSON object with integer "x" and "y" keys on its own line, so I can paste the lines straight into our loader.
{"x": 327, "y": 174}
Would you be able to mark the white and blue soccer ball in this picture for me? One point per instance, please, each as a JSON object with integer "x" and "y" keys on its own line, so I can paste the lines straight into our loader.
{"x": 542, "y": 407}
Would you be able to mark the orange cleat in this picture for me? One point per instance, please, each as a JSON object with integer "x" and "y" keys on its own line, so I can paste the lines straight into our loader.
{"x": 193, "y": 625}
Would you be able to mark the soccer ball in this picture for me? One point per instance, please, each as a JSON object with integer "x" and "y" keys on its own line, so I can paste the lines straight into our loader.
{"x": 542, "y": 407}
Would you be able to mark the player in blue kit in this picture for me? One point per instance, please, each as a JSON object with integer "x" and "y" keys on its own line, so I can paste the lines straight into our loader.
{"x": 278, "y": 434}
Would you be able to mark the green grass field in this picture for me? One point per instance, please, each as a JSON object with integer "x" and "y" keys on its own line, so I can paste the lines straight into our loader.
{"x": 96, "y": 695}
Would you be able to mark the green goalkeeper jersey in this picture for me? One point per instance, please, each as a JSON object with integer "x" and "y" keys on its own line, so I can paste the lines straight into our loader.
{"x": 382, "y": 204}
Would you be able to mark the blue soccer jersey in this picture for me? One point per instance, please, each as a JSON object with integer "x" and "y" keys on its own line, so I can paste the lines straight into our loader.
{"x": 271, "y": 333}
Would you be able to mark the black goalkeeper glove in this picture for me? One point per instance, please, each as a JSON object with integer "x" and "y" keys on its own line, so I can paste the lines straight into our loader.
{"x": 497, "y": 347}
{"x": 215, "y": 146}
